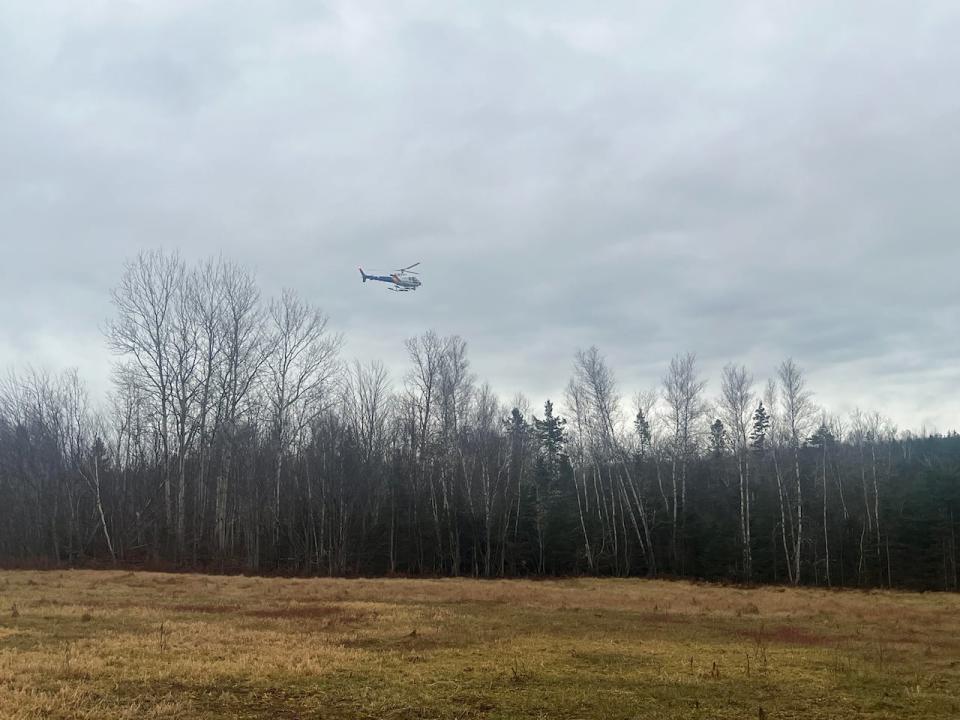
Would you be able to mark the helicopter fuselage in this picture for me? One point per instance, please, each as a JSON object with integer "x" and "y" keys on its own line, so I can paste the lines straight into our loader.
{"x": 400, "y": 281}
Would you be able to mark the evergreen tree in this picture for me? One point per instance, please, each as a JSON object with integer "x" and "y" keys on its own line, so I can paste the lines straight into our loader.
{"x": 642, "y": 426}
{"x": 551, "y": 438}
{"x": 821, "y": 438}
{"x": 761, "y": 423}
{"x": 718, "y": 438}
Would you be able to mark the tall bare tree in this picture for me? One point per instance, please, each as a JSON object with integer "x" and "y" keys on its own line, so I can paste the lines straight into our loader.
{"x": 686, "y": 408}
{"x": 299, "y": 367}
{"x": 143, "y": 331}
{"x": 186, "y": 385}
{"x": 207, "y": 297}
{"x": 576, "y": 401}
{"x": 243, "y": 354}
{"x": 596, "y": 391}
{"x": 736, "y": 403}
{"x": 798, "y": 410}
{"x": 455, "y": 392}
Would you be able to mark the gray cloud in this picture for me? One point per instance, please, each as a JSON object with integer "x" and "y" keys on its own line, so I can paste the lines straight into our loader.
{"x": 750, "y": 182}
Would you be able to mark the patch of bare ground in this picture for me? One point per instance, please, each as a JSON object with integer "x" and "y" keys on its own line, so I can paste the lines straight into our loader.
{"x": 206, "y": 609}
{"x": 331, "y": 614}
{"x": 792, "y": 635}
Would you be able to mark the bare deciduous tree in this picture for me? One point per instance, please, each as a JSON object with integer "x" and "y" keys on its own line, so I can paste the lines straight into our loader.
{"x": 798, "y": 413}
{"x": 242, "y": 342}
{"x": 737, "y": 405}
{"x": 143, "y": 330}
{"x": 683, "y": 393}
{"x": 300, "y": 364}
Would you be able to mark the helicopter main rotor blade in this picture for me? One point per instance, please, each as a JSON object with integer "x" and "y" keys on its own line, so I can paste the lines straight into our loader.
{"x": 411, "y": 266}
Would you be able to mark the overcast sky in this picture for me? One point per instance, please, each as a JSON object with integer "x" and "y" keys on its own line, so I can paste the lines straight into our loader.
{"x": 747, "y": 181}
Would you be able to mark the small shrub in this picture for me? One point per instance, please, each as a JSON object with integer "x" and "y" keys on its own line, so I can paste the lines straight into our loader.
{"x": 14, "y": 612}
{"x": 760, "y": 648}
{"x": 518, "y": 672}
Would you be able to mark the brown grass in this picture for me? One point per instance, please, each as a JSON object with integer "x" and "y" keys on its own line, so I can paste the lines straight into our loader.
{"x": 105, "y": 644}
{"x": 330, "y": 613}
{"x": 791, "y": 635}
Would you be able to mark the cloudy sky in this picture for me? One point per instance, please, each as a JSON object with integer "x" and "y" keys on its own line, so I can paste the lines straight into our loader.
{"x": 747, "y": 181}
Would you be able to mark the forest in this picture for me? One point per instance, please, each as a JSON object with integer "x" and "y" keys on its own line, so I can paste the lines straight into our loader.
{"x": 238, "y": 438}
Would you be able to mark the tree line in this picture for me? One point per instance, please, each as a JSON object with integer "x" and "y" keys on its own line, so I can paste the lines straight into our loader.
{"x": 237, "y": 437}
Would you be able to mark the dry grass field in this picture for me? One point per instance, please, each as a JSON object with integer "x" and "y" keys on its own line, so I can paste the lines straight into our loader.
{"x": 102, "y": 644}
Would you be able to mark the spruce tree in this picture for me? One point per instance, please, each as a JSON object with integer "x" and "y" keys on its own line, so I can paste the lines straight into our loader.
{"x": 718, "y": 438}
{"x": 642, "y": 426}
{"x": 550, "y": 436}
{"x": 761, "y": 423}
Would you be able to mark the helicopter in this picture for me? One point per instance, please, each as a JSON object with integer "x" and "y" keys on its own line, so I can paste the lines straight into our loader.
{"x": 402, "y": 280}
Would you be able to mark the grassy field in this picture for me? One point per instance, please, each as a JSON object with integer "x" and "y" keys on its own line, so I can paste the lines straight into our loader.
{"x": 101, "y": 644}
